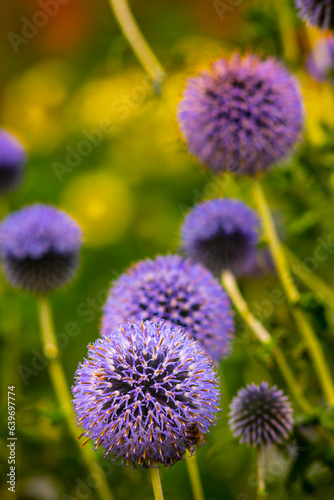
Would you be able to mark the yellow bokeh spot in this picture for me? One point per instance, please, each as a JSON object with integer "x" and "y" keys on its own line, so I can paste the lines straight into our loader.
{"x": 117, "y": 99}
{"x": 101, "y": 203}
{"x": 319, "y": 98}
{"x": 33, "y": 105}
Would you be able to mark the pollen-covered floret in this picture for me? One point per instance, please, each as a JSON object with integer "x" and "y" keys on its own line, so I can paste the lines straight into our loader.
{"x": 142, "y": 391}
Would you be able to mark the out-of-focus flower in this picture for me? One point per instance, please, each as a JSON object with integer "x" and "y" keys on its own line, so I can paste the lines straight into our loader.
{"x": 146, "y": 393}
{"x": 101, "y": 203}
{"x": 12, "y": 160}
{"x": 177, "y": 291}
{"x": 318, "y": 13}
{"x": 34, "y": 105}
{"x": 320, "y": 63}
{"x": 39, "y": 246}
{"x": 221, "y": 234}
{"x": 242, "y": 115}
{"x": 261, "y": 415}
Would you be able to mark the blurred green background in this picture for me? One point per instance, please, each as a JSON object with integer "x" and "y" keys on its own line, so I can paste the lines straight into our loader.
{"x": 129, "y": 186}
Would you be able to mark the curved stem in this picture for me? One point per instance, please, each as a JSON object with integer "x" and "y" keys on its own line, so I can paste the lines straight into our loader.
{"x": 58, "y": 379}
{"x": 288, "y": 33}
{"x": 311, "y": 341}
{"x": 261, "y": 486}
{"x": 230, "y": 284}
{"x": 156, "y": 483}
{"x": 310, "y": 279}
{"x": 194, "y": 476}
{"x": 136, "y": 39}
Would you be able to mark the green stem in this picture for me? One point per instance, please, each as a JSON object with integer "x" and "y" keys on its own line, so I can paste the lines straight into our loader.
{"x": 4, "y": 209}
{"x": 230, "y": 284}
{"x": 261, "y": 486}
{"x": 288, "y": 31}
{"x": 156, "y": 483}
{"x": 136, "y": 39}
{"x": 58, "y": 379}
{"x": 293, "y": 296}
{"x": 324, "y": 292}
{"x": 194, "y": 476}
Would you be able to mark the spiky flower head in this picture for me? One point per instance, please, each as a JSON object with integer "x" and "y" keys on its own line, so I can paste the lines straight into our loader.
{"x": 178, "y": 291}
{"x": 221, "y": 234}
{"x": 12, "y": 160}
{"x": 320, "y": 63}
{"x": 242, "y": 115}
{"x": 39, "y": 246}
{"x": 146, "y": 393}
{"x": 261, "y": 415}
{"x": 318, "y": 13}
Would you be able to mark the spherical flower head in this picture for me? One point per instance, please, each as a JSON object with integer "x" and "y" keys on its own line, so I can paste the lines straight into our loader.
{"x": 12, "y": 160}
{"x": 261, "y": 415}
{"x": 178, "y": 291}
{"x": 221, "y": 234}
{"x": 318, "y": 13}
{"x": 320, "y": 63}
{"x": 146, "y": 394}
{"x": 242, "y": 115}
{"x": 39, "y": 246}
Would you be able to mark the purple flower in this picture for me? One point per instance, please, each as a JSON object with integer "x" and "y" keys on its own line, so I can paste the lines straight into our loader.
{"x": 12, "y": 160}
{"x": 242, "y": 115}
{"x": 320, "y": 63}
{"x": 177, "y": 291}
{"x": 146, "y": 393}
{"x": 40, "y": 247}
{"x": 317, "y": 12}
{"x": 221, "y": 234}
{"x": 261, "y": 415}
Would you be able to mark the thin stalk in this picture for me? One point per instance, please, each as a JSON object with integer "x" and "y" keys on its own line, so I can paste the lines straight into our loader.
{"x": 230, "y": 284}
{"x": 261, "y": 485}
{"x": 4, "y": 209}
{"x": 156, "y": 483}
{"x": 311, "y": 341}
{"x": 310, "y": 279}
{"x": 58, "y": 379}
{"x": 288, "y": 32}
{"x": 136, "y": 39}
{"x": 194, "y": 476}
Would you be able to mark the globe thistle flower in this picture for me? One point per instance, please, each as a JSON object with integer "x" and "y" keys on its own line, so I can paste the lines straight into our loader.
{"x": 177, "y": 291}
{"x": 242, "y": 115}
{"x": 146, "y": 393}
{"x": 39, "y": 246}
{"x": 261, "y": 415}
{"x": 320, "y": 63}
{"x": 221, "y": 234}
{"x": 12, "y": 160}
{"x": 318, "y": 13}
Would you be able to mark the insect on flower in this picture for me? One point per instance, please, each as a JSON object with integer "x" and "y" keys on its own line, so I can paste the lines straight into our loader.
{"x": 146, "y": 394}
